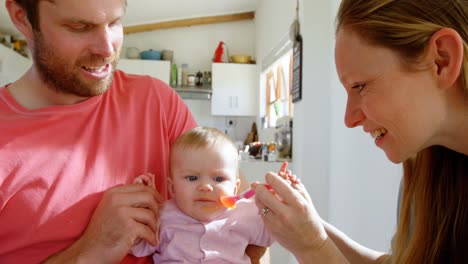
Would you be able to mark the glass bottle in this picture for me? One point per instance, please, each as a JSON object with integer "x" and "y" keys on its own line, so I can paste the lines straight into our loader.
{"x": 184, "y": 74}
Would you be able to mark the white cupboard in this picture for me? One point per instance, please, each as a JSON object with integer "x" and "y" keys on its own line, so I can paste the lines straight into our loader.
{"x": 235, "y": 89}
{"x": 156, "y": 68}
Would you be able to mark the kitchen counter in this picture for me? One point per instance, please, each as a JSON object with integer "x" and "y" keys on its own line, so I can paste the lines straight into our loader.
{"x": 255, "y": 170}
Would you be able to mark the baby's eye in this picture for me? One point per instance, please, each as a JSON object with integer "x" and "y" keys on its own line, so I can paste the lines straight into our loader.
{"x": 359, "y": 87}
{"x": 219, "y": 179}
{"x": 192, "y": 178}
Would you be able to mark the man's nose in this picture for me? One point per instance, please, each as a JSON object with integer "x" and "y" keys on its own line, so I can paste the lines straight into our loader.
{"x": 103, "y": 42}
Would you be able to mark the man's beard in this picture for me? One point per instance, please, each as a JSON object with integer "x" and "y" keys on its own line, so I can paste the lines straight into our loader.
{"x": 63, "y": 76}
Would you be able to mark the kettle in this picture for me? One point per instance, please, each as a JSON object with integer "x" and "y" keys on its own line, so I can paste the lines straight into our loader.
{"x": 221, "y": 53}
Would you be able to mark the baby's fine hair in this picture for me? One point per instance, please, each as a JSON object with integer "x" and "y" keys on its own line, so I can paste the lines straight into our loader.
{"x": 203, "y": 137}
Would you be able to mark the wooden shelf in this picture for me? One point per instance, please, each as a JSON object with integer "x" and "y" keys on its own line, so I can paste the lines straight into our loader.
{"x": 189, "y": 22}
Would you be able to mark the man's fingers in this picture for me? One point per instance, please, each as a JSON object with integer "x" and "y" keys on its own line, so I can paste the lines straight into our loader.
{"x": 146, "y": 233}
{"x": 139, "y": 190}
{"x": 145, "y": 216}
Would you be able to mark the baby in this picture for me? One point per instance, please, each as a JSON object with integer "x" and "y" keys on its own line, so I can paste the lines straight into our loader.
{"x": 194, "y": 226}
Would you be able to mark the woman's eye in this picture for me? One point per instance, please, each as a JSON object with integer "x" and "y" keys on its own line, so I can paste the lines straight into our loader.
{"x": 219, "y": 179}
{"x": 359, "y": 87}
{"x": 191, "y": 178}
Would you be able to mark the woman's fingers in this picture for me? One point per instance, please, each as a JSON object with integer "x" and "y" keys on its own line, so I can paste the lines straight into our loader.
{"x": 267, "y": 199}
{"x": 284, "y": 189}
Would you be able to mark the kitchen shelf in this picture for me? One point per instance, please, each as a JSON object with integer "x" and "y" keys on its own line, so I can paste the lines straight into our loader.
{"x": 192, "y": 92}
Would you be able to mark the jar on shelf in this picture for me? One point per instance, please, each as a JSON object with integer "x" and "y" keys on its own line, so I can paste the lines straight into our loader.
{"x": 184, "y": 74}
{"x": 207, "y": 79}
{"x": 191, "y": 80}
{"x": 199, "y": 79}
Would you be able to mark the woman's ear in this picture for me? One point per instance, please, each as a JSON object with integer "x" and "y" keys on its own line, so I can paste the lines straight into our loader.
{"x": 19, "y": 18}
{"x": 446, "y": 54}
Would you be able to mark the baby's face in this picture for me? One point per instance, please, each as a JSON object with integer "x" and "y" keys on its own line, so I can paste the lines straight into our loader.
{"x": 200, "y": 177}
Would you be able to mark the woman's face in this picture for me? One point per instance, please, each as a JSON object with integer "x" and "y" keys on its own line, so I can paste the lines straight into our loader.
{"x": 401, "y": 109}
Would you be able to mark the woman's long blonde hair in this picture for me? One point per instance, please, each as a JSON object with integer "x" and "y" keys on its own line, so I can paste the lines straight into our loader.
{"x": 433, "y": 221}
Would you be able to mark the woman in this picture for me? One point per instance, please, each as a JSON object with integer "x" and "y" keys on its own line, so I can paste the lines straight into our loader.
{"x": 404, "y": 65}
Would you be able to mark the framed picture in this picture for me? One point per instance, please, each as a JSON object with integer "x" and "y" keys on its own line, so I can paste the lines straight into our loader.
{"x": 297, "y": 70}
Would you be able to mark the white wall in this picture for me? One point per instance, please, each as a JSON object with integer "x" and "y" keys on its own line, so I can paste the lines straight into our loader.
{"x": 364, "y": 183}
{"x": 195, "y": 46}
{"x": 351, "y": 182}
{"x": 272, "y": 18}
{"x": 12, "y": 65}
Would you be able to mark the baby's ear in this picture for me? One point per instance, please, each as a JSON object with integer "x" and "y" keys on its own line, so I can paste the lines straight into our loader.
{"x": 170, "y": 187}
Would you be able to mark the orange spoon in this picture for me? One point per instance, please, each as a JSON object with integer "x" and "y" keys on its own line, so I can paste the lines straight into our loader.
{"x": 229, "y": 201}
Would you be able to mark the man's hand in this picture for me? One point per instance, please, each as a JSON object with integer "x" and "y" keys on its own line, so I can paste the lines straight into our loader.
{"x": 124, "y": 215}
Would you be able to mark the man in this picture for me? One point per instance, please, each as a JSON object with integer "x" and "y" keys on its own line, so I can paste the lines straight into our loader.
{"x": 75, "y": 133}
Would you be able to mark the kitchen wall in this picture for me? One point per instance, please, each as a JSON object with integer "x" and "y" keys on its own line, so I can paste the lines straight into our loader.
{"x": 195, "y": 46}
{"x": 192, "y": 45}
{"x": 12, "y": 65}
{"x": 351, "y": 182}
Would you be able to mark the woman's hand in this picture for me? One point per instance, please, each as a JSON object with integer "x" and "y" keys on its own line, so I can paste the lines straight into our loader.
{"x": 291, "y": 218}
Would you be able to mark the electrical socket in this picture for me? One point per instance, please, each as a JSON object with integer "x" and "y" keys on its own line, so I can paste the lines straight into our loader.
{"x": 230, "y": 122}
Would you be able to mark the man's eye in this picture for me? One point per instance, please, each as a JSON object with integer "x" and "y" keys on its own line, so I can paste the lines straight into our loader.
{"x": 117, "y": 22}
{"x": 78, "y": 27}
{"x": 219, "y": 179}
{"x": 192, "y": 178}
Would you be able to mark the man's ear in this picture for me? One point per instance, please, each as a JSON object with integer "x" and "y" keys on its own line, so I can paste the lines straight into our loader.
{"x": 19, "y": 18}
{"x": 170, "y": 187}
{"x": 445, "y": 52}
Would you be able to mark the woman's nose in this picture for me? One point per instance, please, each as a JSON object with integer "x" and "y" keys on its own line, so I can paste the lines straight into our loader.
{"x": 353, "y": 115}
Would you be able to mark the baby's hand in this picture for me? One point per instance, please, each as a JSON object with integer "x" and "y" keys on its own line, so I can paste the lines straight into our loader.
{"x": 146, "y": 179}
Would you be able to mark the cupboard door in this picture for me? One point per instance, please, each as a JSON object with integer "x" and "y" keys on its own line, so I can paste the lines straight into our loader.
{"x": 235, "y": 89}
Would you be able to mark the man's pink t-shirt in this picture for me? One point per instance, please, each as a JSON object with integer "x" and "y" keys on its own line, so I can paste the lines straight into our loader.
{"x": 56, "y": 162}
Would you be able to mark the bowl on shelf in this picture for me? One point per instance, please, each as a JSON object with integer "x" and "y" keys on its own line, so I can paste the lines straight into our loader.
{"x": 240, "y": 58}
{"x": 132, "y": 53}
{"x": 150, "y": 54}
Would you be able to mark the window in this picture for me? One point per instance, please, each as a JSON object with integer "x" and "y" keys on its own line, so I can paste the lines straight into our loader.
{"x": 277, "y": 82}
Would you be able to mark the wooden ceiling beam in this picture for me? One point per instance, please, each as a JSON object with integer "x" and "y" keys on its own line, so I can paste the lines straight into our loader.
{"x": 189, "y": 22}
